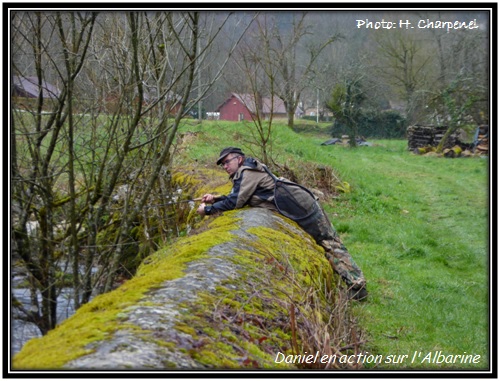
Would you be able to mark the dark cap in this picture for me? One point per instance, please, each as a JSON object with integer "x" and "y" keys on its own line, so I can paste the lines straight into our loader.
{"x": 226, "y": 151}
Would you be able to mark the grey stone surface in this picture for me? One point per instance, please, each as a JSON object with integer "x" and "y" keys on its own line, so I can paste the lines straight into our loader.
{"x": 164, "y": 307}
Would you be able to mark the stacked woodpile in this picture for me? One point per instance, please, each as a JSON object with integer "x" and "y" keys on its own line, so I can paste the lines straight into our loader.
{"x": 423, "y": 140}
{"x": 429, "y": 136}
{"x": 482, "y": 141}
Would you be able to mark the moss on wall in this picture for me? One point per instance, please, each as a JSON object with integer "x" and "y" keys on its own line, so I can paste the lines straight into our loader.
{"x": 201, "y": 180}
{"x": 220, "y": 299}
{"x": 100, "y": 318}
{"x": 243, "y": 287}
{"x": 252, "y": 322}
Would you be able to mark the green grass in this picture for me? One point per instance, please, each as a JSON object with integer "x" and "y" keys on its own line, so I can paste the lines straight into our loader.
{"x": 417, "y": 226}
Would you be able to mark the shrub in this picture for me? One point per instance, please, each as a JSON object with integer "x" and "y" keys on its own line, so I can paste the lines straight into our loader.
{"x": 375, "y": 124}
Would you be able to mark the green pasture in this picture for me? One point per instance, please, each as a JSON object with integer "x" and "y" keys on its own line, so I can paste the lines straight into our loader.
{"x": 417, "y": 226}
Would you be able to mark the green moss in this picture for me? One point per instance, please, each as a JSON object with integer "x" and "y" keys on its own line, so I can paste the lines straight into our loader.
{"x": 281, "y": 256}
{"x": 246, "y": 326}
{"x": 227, "y": 334}
{"x": 202, "y": 180}
{"x": 169, "y": 365}
{"x": 236, "y": 327}
{"x": 186, "y": 329}
{"x": 282, "y": 250}
{"x": 135, "y": 231}
{"x": 98, "y": 319}
{"x": 212, "y": 332}
{"x": 231, "y": 302}
{"x": 214, "y": 360}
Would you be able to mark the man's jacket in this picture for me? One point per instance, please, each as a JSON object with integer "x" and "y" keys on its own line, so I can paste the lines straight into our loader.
{"x": 252, "y": 186}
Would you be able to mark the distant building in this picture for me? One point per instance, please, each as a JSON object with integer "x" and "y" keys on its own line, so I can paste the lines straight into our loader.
{"x": 169, "y": 100}
{"x": 246, "y": 107}
{"x": 323, "y": 115}
{"x": 28, "y": 87}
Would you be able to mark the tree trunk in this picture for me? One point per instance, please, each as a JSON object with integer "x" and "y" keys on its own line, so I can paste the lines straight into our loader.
{"x": 290, "y": 116}
{"x": 442, "y": 142}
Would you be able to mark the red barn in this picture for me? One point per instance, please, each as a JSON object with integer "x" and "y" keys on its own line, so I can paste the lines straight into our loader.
{"x": 244, "y": 107}
{"x": 235, "y": 108}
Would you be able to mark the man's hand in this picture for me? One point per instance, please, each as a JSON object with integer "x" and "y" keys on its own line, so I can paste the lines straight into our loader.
{"x": 201, "y": 209}
{"x": 208, "y": 198}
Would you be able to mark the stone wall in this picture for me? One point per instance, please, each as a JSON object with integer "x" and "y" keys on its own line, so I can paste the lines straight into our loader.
{"x": 243, "y": 287}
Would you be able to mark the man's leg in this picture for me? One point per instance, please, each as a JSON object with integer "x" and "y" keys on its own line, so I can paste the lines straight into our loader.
{"x": 344, "y": 265}
{"x": 322, "y": 230}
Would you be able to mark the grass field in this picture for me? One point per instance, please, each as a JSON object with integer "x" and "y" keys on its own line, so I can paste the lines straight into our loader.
{"x": 417, "y": 226}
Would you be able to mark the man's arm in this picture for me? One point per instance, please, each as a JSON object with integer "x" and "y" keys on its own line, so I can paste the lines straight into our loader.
{"x": 243, "y": 189}
{"x": 208, "y": 198}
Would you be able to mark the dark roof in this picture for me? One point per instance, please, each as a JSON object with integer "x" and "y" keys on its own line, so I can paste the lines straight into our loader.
{"x": 28, "y": 87}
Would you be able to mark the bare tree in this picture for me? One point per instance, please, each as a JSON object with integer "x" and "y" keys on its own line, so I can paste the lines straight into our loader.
{"x": 37, "y": 173}
{"x": 184, "y": 30}
{"x": 458, "y": 103}
{"x": 293, "y": 56}
{"x": 89, "y": 162}
{"x": 259, "y": 73}
{"x": 459, "y": 97}
{"x": 403, "y": 62}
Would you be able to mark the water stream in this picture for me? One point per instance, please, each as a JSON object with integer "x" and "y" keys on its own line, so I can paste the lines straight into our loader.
{"x": 21, "y": 331}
